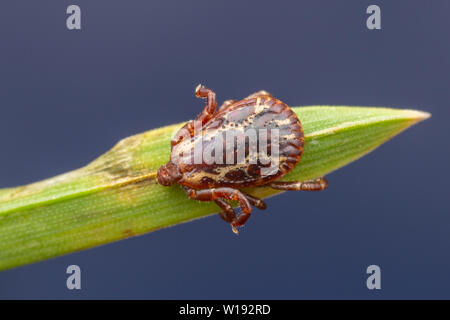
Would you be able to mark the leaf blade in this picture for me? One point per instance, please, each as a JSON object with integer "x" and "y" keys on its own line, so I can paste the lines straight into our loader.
{"x": 117, "y": 196}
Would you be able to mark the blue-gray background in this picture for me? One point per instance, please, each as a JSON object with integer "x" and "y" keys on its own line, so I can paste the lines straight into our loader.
{"x": 68, "y": 96}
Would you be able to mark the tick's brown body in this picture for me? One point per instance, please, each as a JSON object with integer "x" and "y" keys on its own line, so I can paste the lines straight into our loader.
{"x": 220, "y": 182}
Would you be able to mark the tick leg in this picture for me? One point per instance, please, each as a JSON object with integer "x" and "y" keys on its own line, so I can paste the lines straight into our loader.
{"x": 242, "y": 218}
{"x": 226, "y": 104}
{"x": 224, "y": 193}
{"x": 313, "y": 185}
{"x": 211, "y": 103}
{"x": 256, "y": 202}
{"x": 228, "y": 213}
{"x": 187, "y": 131}
{"x": 216, "y": 193}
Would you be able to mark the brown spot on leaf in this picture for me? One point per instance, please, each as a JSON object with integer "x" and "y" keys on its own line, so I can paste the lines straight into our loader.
{"x": 129, "y": 233}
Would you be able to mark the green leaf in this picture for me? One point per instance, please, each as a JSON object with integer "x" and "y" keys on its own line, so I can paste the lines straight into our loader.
{"x": 117, "y": 195}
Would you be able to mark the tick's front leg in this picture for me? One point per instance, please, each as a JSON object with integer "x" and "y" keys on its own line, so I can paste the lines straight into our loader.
{"x": 186, "y": 132}
{"x": 228, "y": 213}
{"x": 254, "y": 201}
{"x": 224, "y": 193}
{"x": 211, "y": 103}
{"x": 313, "y": 185}
{"x": 217, "y": 193}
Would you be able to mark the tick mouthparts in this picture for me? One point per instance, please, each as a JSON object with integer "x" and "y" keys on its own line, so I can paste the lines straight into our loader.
{"x": 164, "y": 177}
{"x": 168, "y": 174}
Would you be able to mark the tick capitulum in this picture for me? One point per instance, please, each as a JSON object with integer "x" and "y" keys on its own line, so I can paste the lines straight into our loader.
{"x": 272, "y": 145}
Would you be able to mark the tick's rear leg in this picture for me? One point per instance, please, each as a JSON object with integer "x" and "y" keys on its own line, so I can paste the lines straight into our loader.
{"x": 211, "y": 103}
{"x": 312, "y": 185}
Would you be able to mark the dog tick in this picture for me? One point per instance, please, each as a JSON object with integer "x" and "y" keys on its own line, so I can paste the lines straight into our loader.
{"x": 276, "y": 148}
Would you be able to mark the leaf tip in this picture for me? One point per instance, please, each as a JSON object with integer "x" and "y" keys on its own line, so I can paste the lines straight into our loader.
{"x": 417, "y": 115}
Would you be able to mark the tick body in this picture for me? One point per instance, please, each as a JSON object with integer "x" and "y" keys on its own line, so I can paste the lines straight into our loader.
{"x": 266, "y": 143}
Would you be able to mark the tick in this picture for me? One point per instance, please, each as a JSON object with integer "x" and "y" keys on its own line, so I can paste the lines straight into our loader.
{"x": 277, "y": 138}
